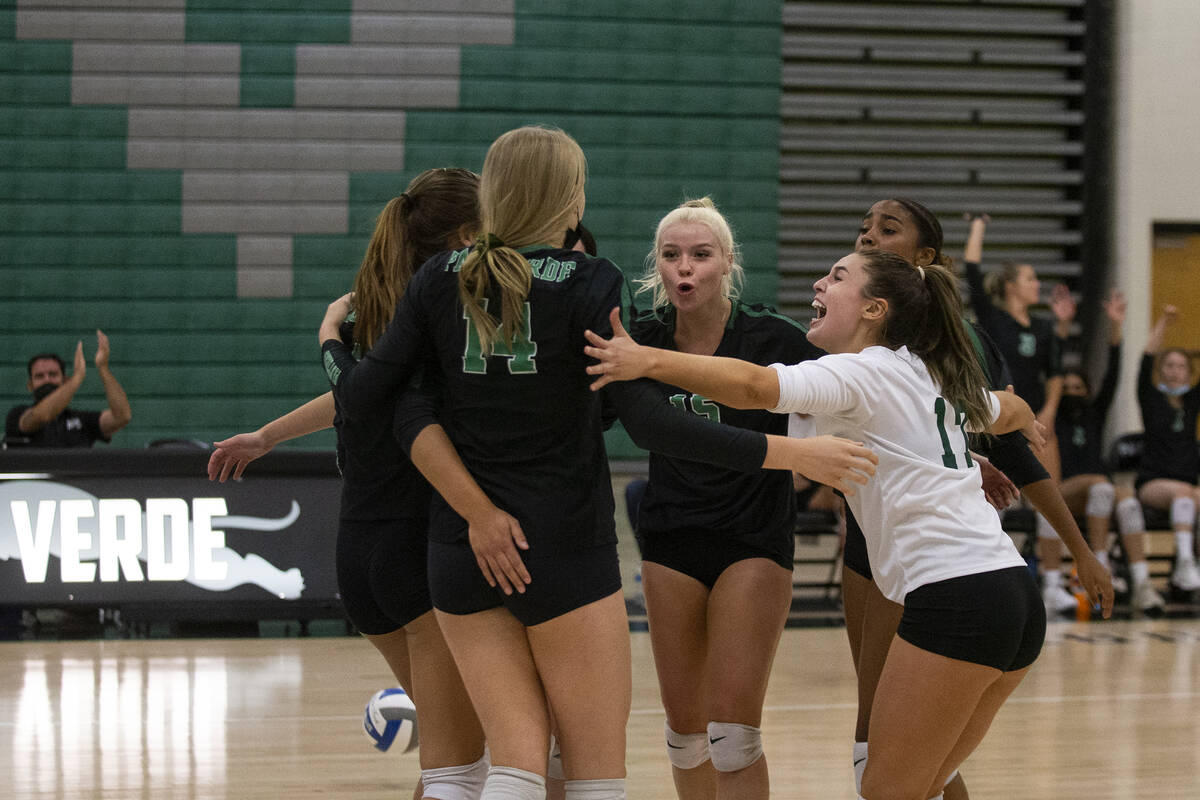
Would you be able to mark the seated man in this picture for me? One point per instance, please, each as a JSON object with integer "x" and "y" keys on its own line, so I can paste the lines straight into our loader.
{"x": 49, "y": 422}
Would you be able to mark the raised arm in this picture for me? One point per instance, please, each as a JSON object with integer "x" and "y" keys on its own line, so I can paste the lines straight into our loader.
{"x": 118, "y": 414}
{"x": 729, "y": 381}
{"x": 42, "y": 413}
{"x": 1155, "y": 341}
{"x": 972, "y": 259}
{"x": 232, "y": 455}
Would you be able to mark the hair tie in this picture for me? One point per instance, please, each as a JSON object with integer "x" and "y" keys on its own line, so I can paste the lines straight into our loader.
{"x": 921, "y": 270}
{"x": 487, "y": 242}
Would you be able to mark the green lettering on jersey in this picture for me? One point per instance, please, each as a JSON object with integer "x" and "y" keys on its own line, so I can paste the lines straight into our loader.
{"x": 521, "y": 354}
{"x": 700, "y": 406}
{"x": 551, "y": 269}
{"x": 948, "y": 456}
{"x": 1079, "y": 436}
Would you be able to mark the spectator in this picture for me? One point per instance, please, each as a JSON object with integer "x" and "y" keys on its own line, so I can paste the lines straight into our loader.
{"x": 1170, "y": 463}
{"x": 49, "y": 421}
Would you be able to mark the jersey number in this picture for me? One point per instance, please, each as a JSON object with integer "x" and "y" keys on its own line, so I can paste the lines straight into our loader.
{"x": 521, "y": 354}
{"x": 948, "y": 456}
{"x": 700, "y": 406}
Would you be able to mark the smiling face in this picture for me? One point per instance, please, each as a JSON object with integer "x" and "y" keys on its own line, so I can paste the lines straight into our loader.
{"x": 889, "y": 226}
{"x": 844, "y": 321}
{"x": 693, "y": 266}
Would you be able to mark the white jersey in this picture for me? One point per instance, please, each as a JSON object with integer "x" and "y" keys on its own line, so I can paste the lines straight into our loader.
{"x": 923, "y": 513}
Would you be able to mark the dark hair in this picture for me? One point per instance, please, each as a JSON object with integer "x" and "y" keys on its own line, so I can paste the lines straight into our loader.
{"x": 929, "y": 230}
{"x": 411, "y": 229}
{"x": 925, "y": 314}
{"x": 1078, "y": 373}
{"x": 580, "y": 235}
{"x": 45, "y": 357}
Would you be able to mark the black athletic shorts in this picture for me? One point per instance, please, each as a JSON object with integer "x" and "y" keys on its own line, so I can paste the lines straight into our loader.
{"x": 702, "y": 556}
{"x": 993, "y": 618}
{"x": 854, "y": 552}
{"x": 381, "y": 573}
{"x": 560, "y": 582}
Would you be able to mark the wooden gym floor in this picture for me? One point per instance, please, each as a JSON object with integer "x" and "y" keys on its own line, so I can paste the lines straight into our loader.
{"x": 1110, "y": 711}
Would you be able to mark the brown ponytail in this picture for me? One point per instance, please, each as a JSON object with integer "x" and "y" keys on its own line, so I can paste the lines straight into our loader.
{"x": 429, "y": 217}
{"x": 925, "y": 314}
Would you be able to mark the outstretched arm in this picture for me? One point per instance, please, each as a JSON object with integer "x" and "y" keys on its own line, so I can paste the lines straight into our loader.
{"x": 41, "y": 414}
{"x": 232, "y": 455}
{"x": 729, "y": 381}
{"x": 1095, "y": 579}
{"x": 118, "y": 414}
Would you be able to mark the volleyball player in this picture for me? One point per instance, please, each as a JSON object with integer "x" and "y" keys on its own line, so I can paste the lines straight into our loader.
{"x": 909, "y": 229}
{"x": 1032, "y": 348}
{"x": 1170, "y": 463}
{"x": 536, "y": 619}
{"x": 903, "y": 376}
{"x": 1087, "y": 488}
{"x": 385, "y": 502}
{"x": 717, "y": 545}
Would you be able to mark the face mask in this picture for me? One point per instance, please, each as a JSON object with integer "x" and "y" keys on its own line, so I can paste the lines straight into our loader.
{"x": 1177, "y": 391}
{"x": 1070, "y": 404}
{"x": 43, "y": 391}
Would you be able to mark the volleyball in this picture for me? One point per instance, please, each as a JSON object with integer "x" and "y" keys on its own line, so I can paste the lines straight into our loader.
{"x": 391, "y": 720}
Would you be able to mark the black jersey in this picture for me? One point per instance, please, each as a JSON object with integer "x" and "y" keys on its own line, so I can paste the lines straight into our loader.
{"x": 70, "y": 428}
{"x": 1170, "y": 439}
{"x": 682, "y": 496}
{"x": 1008, "y": 452}
{"x": 523, "y": 418}
{"x": 378, "y": 480}
{"x": 1033, "y": 352}
{"x": 1079, "y": 425}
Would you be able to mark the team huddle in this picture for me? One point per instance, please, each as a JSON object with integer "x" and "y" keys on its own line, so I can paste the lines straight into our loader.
{"x": 474, "y": 369}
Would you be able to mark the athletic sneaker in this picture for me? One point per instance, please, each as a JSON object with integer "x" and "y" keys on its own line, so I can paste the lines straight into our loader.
{"x": 1145, "y": 598}
{"x": 1186, "y": 576}
{"x": 1058, "y": 600}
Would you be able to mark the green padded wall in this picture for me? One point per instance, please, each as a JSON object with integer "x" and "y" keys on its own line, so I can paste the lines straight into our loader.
{"x": 199, "y": 178}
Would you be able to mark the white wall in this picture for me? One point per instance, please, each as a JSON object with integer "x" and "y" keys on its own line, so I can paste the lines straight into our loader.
{"x": 1156, "y": 157}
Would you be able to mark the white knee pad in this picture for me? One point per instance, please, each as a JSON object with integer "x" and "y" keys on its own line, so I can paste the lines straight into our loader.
{"x": 554, "y": 765}
{"x": 733, "y": 746}
{"x": 463, "y": 782}
{"x": 605, "y": 789}
{"x": 1044, "y": 529}
{"x": 686, "y": 750}
{"x": 510, "y": 783}
{"x": 1183, "y": 513}
{"x": 1100, "y": 499}
{"x": 1130, "y": 518}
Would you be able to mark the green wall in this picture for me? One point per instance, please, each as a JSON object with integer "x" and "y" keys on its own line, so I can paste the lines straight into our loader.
{"x": 668, "y": 99}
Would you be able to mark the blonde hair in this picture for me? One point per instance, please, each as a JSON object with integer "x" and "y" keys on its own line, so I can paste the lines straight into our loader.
{"x": 996, "y": 282}
{"x": 702, "y": 211}
{"x": 530, "y": 192}
{"x": 438, "y": 205}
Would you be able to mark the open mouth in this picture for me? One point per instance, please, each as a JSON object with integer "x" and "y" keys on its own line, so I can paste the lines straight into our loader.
{"x": 684, "y": 288}
{"x": 819, "y": 308}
